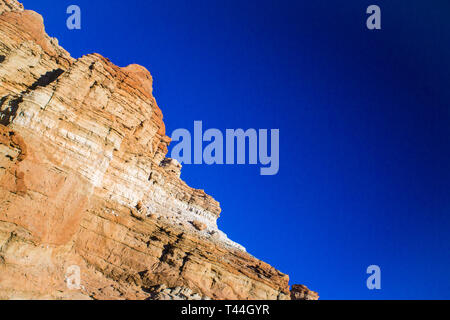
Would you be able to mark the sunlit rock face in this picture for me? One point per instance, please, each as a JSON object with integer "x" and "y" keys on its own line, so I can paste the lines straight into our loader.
{"x": 84, "y": 181}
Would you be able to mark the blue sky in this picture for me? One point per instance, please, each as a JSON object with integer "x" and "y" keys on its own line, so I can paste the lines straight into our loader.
{"x": 363, "y": 116}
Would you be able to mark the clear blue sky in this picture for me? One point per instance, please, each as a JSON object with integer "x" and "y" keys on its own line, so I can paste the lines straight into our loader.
{"x": 364, "y": 121}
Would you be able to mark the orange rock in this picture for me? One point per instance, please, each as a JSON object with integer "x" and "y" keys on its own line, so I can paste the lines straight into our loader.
{"x": 199, "y": 225}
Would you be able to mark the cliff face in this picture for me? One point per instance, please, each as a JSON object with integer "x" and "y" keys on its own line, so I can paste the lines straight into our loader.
{"x": 84, "y": 181}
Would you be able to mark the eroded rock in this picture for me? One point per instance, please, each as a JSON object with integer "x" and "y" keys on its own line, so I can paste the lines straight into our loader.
{"x": 83, "y": 144}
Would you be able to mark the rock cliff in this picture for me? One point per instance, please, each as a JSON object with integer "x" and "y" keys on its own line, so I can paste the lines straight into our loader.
{"x": 84, "y": 181}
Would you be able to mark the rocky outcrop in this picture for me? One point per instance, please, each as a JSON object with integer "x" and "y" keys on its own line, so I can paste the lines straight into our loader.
{"x": 84, "y": 181}
{"x": 301, "y": 292}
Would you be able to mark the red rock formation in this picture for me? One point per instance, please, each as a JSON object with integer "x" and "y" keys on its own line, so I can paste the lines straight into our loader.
{"x": 84, "y": 181}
